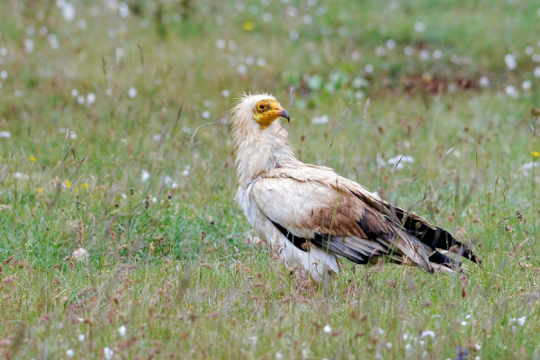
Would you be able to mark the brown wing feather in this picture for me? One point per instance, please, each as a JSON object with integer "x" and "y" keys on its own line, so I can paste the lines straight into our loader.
{"x": 354, "y": 223}
{"x": 333, "y": 219}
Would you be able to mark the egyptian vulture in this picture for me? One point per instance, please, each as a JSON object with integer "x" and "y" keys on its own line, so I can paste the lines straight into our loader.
{"x": 310, "y": 216}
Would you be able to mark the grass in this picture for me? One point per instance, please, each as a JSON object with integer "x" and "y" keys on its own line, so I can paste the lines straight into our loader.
{"x": 170, "y": 257}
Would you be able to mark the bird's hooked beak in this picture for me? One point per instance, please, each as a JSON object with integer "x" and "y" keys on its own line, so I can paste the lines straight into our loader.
{"x": 285, "y": 114}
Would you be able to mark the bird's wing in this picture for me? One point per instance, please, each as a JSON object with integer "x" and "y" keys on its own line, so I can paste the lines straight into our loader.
{"x": 314, "y": 205}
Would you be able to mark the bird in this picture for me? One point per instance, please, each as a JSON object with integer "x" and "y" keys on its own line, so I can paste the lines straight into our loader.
{"x": 311, "y": 217}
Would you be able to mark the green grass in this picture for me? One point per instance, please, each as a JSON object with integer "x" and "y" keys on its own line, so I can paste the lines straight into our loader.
{"x": 172, "y": 263}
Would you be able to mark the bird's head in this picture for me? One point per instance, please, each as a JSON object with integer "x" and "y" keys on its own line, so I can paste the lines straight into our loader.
{"x": 264, "y": 109}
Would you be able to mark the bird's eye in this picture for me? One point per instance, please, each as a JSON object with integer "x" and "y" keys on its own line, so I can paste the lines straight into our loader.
{"x": 261, "y": 106}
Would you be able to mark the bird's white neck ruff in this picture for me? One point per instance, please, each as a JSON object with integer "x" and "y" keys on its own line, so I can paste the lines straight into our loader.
{"x": 262, "y": 151}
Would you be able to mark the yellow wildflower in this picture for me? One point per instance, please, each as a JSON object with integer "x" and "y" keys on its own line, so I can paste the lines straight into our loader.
{"x": 32, "y": 158}
{"x": 248, "y": 26}
{"x": 68, "y": 184}
{"x": 535, "y": 154}
{"x": 84, "y": 185}
{"x": 39, "y": 190}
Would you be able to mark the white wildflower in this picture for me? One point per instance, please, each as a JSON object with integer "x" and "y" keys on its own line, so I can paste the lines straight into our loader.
{"x": 511, "y": 91}
{"x": 484, "y": 81}
{"x": 68, "y": 10}
{"x": 526, "y": 85}
{"x": 90, "y": 98}
{"x": 132, "y": 92}
{"x": 398, "y": 161}
{"x": 108, "y": 353}
{"x": 122, "y": 331}
{"x": 408, "y": 50}
{"x": 118, "y": 54}
{"x": 81, "y": 337}
{"x": 21, "y": 176}
{"x": 123, "y": 10}
{"x": 463, "y": 323}
{"x": 537, "y": 72}
{"x": 28, "y": 46}
{"x": 221, "y": 44}
{"x": 53, "y": 41}
{"x": 279, "y": 356}
{"x": 419, "y": 26}
{"x": 319, "y": 120}
{"x": 521, "y": 320}
{"x": 510, "y": 61}
{"x": 80, "y": 254}
{"x": 327, "y": 329}
{"x": 145, "y": 175}
{"x": 70, "y": 353}
{"x": 253, "y": 340}
{"x": 424, "y": 55}
{"x": 241, "y": 69}
{"x": 5, "y": 134}
{"x": 528, "y": 166}
{"x": 427, "y": 333}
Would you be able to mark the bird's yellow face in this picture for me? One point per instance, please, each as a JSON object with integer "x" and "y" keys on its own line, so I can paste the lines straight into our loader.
{"x": 267, "y": 111}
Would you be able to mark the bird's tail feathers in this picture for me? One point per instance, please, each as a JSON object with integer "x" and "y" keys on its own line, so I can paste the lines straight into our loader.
{"x": 432, "y": 236}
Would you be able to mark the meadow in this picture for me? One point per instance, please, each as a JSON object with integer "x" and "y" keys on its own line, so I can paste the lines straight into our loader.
{"x": 119, "y": 234}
